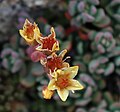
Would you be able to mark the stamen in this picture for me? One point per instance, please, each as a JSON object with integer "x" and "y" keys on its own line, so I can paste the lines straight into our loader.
{"x": 68, "y": 57}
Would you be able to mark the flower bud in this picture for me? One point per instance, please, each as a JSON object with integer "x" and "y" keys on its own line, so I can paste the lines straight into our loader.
{"x": 47, "y": 94}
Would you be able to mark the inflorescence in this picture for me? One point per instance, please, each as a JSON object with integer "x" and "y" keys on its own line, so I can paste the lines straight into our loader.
{"x": 44, "y": 50}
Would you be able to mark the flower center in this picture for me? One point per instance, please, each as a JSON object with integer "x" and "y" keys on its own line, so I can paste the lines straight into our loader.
{"x": 30, "y": 30}
{"x": 55, "y": 62}
{"x": 48, "y": 43}
{"x": 62, "y": 82}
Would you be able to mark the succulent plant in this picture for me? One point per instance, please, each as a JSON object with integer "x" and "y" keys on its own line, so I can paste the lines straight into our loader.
{"x": 114, "y": 10}
{"x": 101, "y": 65}
{"x": 7, "y": 13}
{"x": 103, "y": 42}
{"x": 88, "y": 29}
{"x": 11, "y": 60}
{"x": 86, "y": 11}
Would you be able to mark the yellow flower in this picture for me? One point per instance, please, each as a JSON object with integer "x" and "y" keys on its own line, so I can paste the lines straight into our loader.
{"x": 30, "y": 32}
{"x": 48, "y": 44}
{"x": 55, "y": 62}
{"x": 62, "y": 81}
{"x": 47, "y": 94}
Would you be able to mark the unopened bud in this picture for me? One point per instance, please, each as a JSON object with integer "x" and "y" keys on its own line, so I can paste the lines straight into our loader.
{"x": 47, "y": 94}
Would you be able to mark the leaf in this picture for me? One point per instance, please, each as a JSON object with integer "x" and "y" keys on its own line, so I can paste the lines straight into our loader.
{"x": 28, "y": 81}
{"x": 109, "y": 70}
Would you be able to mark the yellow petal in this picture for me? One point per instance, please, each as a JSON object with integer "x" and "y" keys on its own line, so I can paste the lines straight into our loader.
{"x": 63, "y": 93}
{"x": 55, "y": 46}
{"x": 53, "y": 35}
{"x": 65, "y": 65}
{"x": 53, "y": 55}
{"x": 51, "y": 85}
{"x": 29, "y": 41}
{"x": 39, "y": 48}
{"x": 62, "y": 54}
{"x": 37, "y": 30}
{"x": 75, "y": 85}
{"x": 37, "y": 35}
{"x": 22, "y": 33}
{"x": 55, "y": 74}
{"x": 27, "y": 22}
{"x": 72, "y": 71}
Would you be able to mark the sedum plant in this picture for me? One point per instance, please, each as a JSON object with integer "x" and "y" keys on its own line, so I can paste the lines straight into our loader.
{"x": 59, "y": 72}
{"x": 86, "y": 30}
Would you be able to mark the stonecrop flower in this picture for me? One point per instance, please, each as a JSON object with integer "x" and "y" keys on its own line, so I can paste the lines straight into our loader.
{"x": 30, "y": 32}
{"x": 62, "y": 81}
{"x": 55, "y": 62}
{"x": 48, "y": 44}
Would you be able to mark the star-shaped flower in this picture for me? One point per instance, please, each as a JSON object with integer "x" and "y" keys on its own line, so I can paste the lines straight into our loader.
{"x": 62, "y": 81}
{"x": 48, "y": 44}
{"x": 55, "y": 62}
{"x": 30, "y": 32}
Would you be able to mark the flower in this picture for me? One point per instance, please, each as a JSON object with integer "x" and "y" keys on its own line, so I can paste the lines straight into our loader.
{"x": 48, "y": 44}
{"x": 30, "y": 32}
{"x": 62, "y": 81}
{"x": 47, "y": 94}
{"x": 55, "y": 61}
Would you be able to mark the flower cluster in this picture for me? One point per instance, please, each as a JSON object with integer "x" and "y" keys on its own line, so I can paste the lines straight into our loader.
{"x": 43, "y": 49}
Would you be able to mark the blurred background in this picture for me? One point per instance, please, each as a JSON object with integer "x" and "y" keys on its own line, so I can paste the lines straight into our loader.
{"x": 88, "y": 29}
